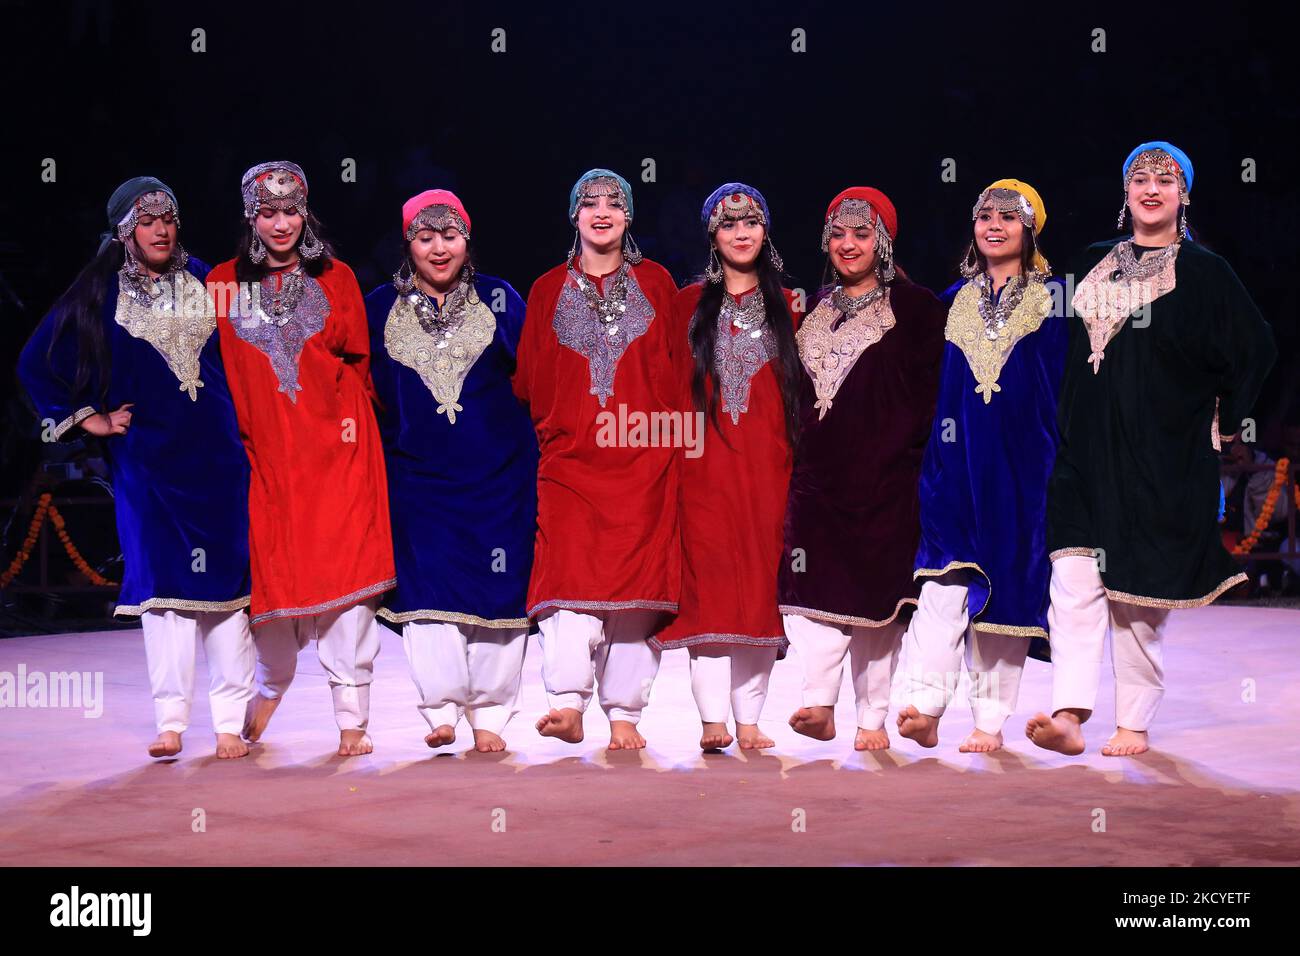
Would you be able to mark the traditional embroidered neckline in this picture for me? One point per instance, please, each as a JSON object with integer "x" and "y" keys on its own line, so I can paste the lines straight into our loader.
{"x": 743, "y": 343}
{"x": 599, "y": 337}
{"x": 442, "y": 358}
{"x": 176, "y": 316}
{"x": 297, "y": 314}
{"x": 986, "y": 334}
{"x": 1118, "y": 286}
{"x": 829, "y": 353}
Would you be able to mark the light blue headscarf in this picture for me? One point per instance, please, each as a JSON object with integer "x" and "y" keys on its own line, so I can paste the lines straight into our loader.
{"x": 599, "y": 174}
{"x": 1179, "y": 156}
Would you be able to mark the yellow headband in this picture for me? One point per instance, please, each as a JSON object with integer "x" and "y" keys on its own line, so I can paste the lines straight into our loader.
{"x": 1035, "y": 203}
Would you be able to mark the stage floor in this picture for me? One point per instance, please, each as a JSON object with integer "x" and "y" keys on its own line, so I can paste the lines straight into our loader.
{"x": 1221, "y": 786}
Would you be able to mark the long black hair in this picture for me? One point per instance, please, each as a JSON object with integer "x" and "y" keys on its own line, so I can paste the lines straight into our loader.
{"x": 78, "y": 312}
{"x": 246, "y": 270}
{"x": 704, "y": 336}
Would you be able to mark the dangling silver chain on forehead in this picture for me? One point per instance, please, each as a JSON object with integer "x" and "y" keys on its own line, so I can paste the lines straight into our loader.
{"x": 1005, "y": 200}
{"x": 603, "y": 186}
{"x": 852, "y": 214}
{"x": 438, "y": 218}
{"x": 276, "y": 186}
{"x": 156, "y": 203}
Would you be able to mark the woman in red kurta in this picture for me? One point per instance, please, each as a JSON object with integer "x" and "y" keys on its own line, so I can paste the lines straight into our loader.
{"x": 594, "y": 368}
{"x": 738, "y": 367}
{"x": 296, "y": 346}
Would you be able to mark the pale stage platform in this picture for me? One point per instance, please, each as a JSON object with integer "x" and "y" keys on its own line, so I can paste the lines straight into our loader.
{"x": 1221, "y": 786}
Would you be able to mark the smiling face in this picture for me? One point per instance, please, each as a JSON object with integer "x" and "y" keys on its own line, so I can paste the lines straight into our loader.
{"x": 1155, "y": 196}
{"x": 999, "y": 234}
{"x": 601, "y": 219}
{"x": 739, "y": 241}
{"x": 439, "y": 255}
{"x": 852, "y": 250}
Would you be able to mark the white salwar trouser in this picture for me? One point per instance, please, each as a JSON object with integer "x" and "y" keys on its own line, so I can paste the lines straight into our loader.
{"x": 466, "y": 669}
{"x": 1077, "y": 620}
{"x": 610, "y": 648}
{"x": 732, "y": 673}
{"x": 346, "y": 642}
{"x": 873, "y": 658}
{"x": 994, "y": 662}
{"x": 171, "y": 641}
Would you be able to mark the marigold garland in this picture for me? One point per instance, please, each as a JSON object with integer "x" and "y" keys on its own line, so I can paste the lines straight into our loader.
{"x": 44, "y": 508}
{"x": 1265, "y": 516}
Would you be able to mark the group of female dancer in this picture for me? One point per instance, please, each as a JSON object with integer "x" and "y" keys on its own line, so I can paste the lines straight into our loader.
{"x": 1014, "y": 465}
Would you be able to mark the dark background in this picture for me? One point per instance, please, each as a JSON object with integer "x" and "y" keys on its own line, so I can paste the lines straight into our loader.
{"x": 414, "y": 94}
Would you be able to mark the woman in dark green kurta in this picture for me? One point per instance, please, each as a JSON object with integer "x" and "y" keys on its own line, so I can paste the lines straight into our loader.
{"x": 1168, "y": 345}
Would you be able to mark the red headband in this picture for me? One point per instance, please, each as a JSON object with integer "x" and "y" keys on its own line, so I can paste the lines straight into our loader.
{"x": 879, "y": 202}
{"x": 432, "y": 197}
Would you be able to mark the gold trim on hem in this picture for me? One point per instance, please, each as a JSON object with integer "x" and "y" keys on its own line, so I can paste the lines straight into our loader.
{"x": 450, "y": 617}
{"x": 1072, "y": 553}
{"x": 957, "y": 565}
{"x": 180, "y": 604}
{"x": 72, "y": 421}
{"x": 1011, "y": 630}
{"x": 356, "y": 597}
{"x": 698, "y": 640}
{"x": 1172, "y": 604}
{"x": 566, "y": 605}
{"x": 833, "y": 618}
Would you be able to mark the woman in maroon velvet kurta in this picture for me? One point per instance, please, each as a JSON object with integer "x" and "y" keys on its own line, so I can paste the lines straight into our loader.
{"x": 738, "y": 369}
{"x": 593, "y": 366}
{"x": 872, "y": 349}
{"x": 298, "y": 363}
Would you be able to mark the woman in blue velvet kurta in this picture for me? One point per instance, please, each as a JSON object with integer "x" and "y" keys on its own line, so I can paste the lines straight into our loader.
{"x": 983, "y": 552}
{"x": 461, "y": 457}
{"x": 130, "y": 354}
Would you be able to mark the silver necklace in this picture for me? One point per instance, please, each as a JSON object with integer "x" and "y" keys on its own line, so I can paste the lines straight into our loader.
{"x": 609, "y": 308}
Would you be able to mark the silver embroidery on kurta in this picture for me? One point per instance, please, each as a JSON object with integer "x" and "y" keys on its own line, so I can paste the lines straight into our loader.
{"x": 829, "y": 353}
{"x": 280, "y": 337}
{"x": 176, "y": 316}
{"x": 1118, "y": 286}
{"x": 578, "y": 327}
{"x": 442, "y": 361}
{"x": 738, "y": 357}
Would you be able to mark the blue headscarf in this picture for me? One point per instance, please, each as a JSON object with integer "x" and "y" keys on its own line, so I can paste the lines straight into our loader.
{"x": 1179, "y": 156}
{"x": 599, "y": 174}
{"x": 731, "y": 189}
{"x": 124, "y": 197}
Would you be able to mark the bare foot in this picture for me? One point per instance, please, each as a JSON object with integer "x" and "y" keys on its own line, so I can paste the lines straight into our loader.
{"x": 871, "y": 739}
{"x": 981, "y": 743}
{"x": 919, "y": 727}
{"x": 258, "y": 715}
{"x": 715, "y": 736}
{"x": 229, "y": 746}
{"x": 565, "y": 723}
{"x": 168, "y": 744}
{"x": 486, "y": 742}
{"x": 1061, "y": 732}
{"x": 1126, "y": 743}
{"x": 623, "y": 735}
{"x": 354, "y": 743}
{"x": 751, "y": 738}
{"x": 815, "y": 722}
{"x": 441, "y": 736}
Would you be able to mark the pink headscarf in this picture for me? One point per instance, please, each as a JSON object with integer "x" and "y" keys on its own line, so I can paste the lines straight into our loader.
{"x": 432, "y": 197}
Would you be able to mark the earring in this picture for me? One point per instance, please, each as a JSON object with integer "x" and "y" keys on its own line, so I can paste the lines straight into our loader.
{"x": 713, "y": 271}
{"x": 885, "y": 269}
{"x": 573, "y": 249}
{"x": 1122, "y": 211}
{"x": 404, "y": 283}
{"x": 630, "y": 250}
{"x": 1182, "y": 222}
{"x": 772, "y": 256}
{"x": 256, "y": 250}
{"x": 180, "y": 257}
{"x": 310, "y": 247}
{"x": 970, "y": 266}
